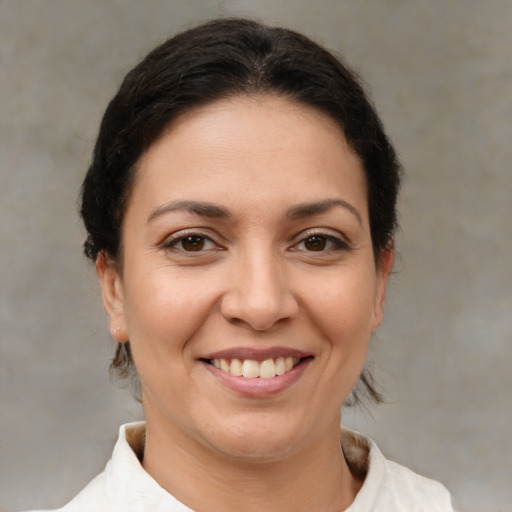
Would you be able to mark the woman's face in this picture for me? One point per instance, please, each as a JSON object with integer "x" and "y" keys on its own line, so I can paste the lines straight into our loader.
{"x": 247, "y": 248}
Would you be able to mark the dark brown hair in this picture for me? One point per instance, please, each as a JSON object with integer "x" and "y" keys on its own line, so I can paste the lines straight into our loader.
{"x": 221, "y": 59}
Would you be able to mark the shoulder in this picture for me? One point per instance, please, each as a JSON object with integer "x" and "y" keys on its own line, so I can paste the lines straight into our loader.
{"x": 388, "y": 486}
{"x": 411, "y": 489}
{"x": 98, "y": 495}
{"x": 92, "y": 497}
{"x": 124, "y": 485}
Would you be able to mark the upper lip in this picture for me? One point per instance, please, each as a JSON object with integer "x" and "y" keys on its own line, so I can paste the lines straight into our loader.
{"x": 257, "y": 354}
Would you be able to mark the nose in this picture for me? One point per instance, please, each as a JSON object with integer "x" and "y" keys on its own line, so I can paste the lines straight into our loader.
{"x": 258, "y": 292}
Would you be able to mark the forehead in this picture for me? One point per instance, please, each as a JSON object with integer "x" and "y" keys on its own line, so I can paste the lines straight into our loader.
{"x": 247, "y": 120}
{"x": 250, "y": 146}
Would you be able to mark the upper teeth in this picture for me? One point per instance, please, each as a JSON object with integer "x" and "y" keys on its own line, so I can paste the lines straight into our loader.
{"x": 252, "y": 369}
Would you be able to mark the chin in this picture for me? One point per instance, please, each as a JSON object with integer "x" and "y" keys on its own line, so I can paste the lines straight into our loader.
{"x": 256, "y": 440}
{"x": 256, "y": 450}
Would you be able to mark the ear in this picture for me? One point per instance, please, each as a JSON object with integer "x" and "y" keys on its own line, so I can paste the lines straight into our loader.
{"x": 384, "y": 268}
{"x": 113, "y": 299}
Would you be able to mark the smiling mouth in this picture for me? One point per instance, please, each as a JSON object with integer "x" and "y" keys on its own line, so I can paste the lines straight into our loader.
{"x": 252, "y": 369}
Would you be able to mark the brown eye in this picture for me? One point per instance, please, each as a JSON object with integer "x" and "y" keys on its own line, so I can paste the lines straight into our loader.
{"x": 193, "y": 243}
{"x": 322, "y": 243}
{"x": 315, "y": 243}
{"x": 190, "y": 243}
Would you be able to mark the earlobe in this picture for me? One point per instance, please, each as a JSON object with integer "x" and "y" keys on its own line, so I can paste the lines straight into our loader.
{"x": 384, "y": 268}
{"x": 112, "y": 293}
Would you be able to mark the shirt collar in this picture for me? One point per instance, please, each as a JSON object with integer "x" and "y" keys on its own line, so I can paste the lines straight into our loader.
{"x": 129, "y": 485}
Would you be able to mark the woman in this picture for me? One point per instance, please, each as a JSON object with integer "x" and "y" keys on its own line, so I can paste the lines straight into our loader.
{"x": 240, "y": 211}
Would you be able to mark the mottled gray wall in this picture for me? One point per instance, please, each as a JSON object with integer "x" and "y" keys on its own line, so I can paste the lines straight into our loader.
{"x": 441, "y": 74}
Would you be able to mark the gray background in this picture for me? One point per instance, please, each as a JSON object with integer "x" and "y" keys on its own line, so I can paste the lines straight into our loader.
{"x": 440, "y": 73}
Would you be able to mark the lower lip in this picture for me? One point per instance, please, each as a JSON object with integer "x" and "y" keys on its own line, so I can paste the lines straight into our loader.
{"x": 258, "y": 387}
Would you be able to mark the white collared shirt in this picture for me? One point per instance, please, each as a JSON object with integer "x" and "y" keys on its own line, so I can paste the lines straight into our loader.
{"x": 125, "y": 486}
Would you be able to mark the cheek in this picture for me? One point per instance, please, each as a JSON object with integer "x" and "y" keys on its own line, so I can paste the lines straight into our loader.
{"x": 164, "y": 310}
{"x": 344, "y": 306}
{"x": 343, "y": 311}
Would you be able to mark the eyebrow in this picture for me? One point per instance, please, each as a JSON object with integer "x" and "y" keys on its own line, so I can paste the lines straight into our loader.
{"x": 198, "y": 207}
{"x": 210, "y": 210}
{"x": 307, "y": 209}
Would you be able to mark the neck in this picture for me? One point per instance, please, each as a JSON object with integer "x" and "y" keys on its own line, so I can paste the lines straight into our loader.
{"x": 315, "y": 478}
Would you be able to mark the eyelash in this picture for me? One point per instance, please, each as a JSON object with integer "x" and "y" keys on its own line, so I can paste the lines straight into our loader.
{"x": 172, "y": 242}
{"x": 338, "y": 243}
{"x": 200, "y": 238}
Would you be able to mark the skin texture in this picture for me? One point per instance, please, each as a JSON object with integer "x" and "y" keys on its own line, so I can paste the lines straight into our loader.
{"x": 259, "y": 280}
